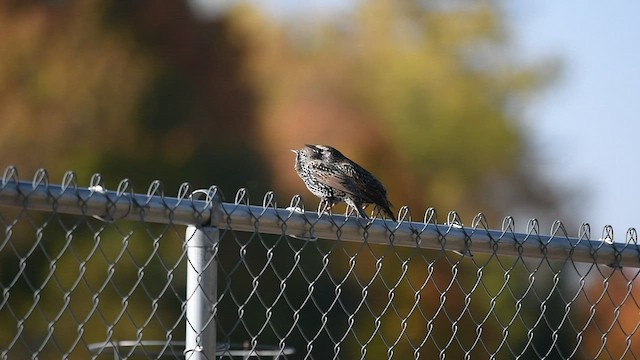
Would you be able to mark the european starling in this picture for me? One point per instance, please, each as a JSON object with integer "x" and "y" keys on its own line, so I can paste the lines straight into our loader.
{"x": 333, "y": 177}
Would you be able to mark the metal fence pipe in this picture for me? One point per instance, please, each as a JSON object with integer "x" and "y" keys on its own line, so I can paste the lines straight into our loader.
{"x": 201, "y": 298}
{"x": 429, "y": 236}
{"x": 241, "y": 217}
{"x": 106, "y": 205}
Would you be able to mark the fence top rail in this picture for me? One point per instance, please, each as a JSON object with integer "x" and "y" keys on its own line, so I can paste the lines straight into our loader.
{"x": 206, "y": 208}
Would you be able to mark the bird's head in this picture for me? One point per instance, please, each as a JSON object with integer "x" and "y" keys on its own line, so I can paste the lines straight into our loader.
{"x": 318, "y": 152}
{"x": 305, "y": 153}
{"x": 324, "y": 152}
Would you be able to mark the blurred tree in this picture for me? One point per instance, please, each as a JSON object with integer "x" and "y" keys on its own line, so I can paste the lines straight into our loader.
{"x": 429, "y": 97}
{"x": 68, "y": 86}
{"x": 426, "y": 95}
{"x": 129, "y": 89}
{"x": 198, "y": 113}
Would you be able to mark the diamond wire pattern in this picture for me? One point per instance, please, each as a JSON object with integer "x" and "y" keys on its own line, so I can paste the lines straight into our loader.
{"x": 72, "y": 281}
{"x": 360, "y": 300}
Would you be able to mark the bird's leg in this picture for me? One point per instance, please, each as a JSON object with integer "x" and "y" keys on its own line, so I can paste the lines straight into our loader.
{"x": 373, "y": 212}
{"x": 349, "y": 210}
{"x": 322, "y": 207}
{"x": 377, "y": 212}
{"x": 325, "y": 206}
{"x": 353, "y": 208}
{"x": 361, "y": 212}
{"x": 358, "y": 206}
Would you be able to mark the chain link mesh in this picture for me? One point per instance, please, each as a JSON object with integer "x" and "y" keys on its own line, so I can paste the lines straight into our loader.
{"x": 85, "y": 281}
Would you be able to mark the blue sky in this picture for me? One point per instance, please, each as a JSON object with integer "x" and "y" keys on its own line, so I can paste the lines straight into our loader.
{"x": 586, "y": 126}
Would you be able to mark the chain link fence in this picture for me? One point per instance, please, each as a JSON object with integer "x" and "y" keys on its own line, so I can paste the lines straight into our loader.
{"x": 90, "y": 273}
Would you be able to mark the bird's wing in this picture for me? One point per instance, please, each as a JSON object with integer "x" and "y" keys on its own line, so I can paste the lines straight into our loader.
{"x": 369, "y": 187}
{"x": 334, "y": 177}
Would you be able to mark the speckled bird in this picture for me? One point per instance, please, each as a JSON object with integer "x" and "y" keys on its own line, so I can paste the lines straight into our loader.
{"x": 333, "y": 177}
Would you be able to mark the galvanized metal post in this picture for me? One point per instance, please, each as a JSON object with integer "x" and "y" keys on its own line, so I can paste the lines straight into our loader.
{"x": 200, "y": 342}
